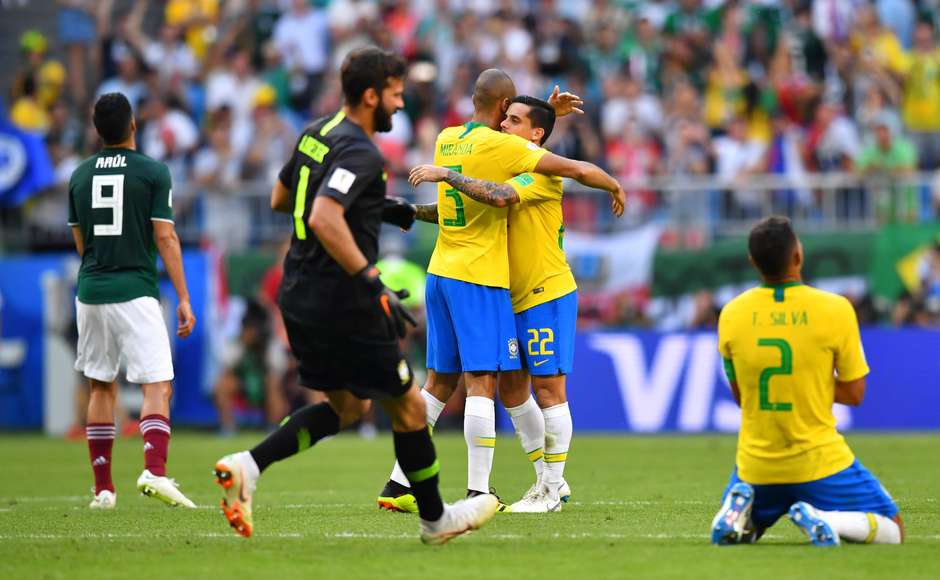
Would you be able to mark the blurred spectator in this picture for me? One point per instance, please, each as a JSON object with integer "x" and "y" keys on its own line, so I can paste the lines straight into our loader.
{"x": 216, "y": 165}
{"x": 832, "y": 141}
{"x": 128, "y": 81}
{"x": 929, "y": 271}
{"x": 921, "y": 105}
{"x": 77, "y": 34}
{"x": 627, "y": 103}
{"x": 254, "y": 366}
{"x": 899, "y": 16}
{"x": 198, "y": 19}
{"x": 705, "y": 312}
{"x": 736, "y": 157}
{"x": 233, "y": 84}
{"x": 301, "y": 36}
{"x": 833, "y": 19}
{"x": 724, "y": 92}
{"x": 272, "y": 140}
{"x": 27, "y": 113}
{"x": 888, "y": 155}
{"x": 169, "y": 56}
{"x": 874, "y": 109}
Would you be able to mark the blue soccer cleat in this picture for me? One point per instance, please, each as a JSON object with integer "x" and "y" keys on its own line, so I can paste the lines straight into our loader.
{"x": 732, "y": 524}
{"x": 819, "y": 532}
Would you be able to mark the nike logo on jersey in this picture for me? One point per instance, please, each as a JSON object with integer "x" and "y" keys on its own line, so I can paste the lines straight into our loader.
{"x": 540, "y": 362}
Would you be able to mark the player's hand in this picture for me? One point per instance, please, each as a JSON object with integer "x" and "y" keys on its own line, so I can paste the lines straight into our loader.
{"x": 423, "y": 173}
{"x": 389, "y": 300}
{"x": 186, "y": 318}
{"x": 399, "y": 212}
{"x": 618, "y": 200}
{"x": 565, "y": 103}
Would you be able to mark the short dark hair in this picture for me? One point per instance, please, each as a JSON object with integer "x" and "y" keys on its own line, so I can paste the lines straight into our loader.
{"x": 770, "y": 244}
{"x": 369, "y": 67}
{"x": 112, "y": 118}
{"x": 541, "y": 114}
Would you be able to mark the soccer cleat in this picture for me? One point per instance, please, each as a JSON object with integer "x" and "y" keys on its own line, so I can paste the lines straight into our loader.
{"x": 163, "y": 489}
{"x": 460, "y": 518}
{"x": 501, "y": 508}
{"x": 395, "y": 497}
{"x": 733, "y": 521}
{"x": 542, "y": 501}
{"x": 237, "y": 487}
{"x": 819, "y": 532}
{"x": 564, "y": 492}
{"x": 104, "y": 500}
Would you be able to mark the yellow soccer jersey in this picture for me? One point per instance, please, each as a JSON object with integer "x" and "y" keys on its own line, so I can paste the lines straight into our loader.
{"x": 538, "y": 270}
{"x": 782, "y": 345}
{"x": 471, "y": 239}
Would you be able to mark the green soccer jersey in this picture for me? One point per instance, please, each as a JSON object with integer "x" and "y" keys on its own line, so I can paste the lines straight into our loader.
{"x": 113, "y": 198}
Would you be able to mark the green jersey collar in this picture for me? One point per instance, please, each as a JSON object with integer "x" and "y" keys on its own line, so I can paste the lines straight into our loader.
{"x": 470, "y": 126}
{"x": 779, "y": 289}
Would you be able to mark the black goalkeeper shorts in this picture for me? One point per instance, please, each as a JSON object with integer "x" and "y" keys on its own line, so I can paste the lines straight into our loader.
{"x": 330, "y": 358}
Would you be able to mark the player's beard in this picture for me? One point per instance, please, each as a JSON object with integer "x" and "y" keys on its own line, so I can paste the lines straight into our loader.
{"x": 382, "y": 120}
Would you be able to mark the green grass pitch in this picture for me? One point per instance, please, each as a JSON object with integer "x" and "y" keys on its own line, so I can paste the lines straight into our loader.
{"x": 640, "y": 509}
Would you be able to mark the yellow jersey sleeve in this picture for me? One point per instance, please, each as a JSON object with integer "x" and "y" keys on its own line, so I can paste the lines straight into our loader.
{"x": 514, "y": 154}
{"x": 850, "y": 355}
{"x": 531, "y": 189}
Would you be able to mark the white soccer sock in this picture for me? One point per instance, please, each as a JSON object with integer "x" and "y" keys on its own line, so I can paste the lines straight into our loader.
{"x": 434, "y": 409}
{"x": 479, "y": 430}
{"x": 863, "y": 527}
{"x": 530, "y": 425}
{"x": 558, "y": 430}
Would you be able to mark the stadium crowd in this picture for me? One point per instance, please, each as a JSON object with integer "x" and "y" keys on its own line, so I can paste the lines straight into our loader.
{"x": 674, "y": 89}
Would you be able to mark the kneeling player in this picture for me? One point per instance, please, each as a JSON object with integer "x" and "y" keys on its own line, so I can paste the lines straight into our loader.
{"x": 781, "y": 343}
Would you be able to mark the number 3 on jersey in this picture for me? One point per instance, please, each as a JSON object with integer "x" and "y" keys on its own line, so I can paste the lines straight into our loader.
{"x": 115, "y": 202}
{"x": 460, "y": 219}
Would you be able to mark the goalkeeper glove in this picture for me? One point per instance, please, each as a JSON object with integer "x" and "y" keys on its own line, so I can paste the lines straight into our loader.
{"x": 398, "y": 212}
{"x": 390, "y": 301}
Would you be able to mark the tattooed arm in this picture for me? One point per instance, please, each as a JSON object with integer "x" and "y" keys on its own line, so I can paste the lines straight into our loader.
{"x": 426, "y": 212}
{"x": 495, "y": 194}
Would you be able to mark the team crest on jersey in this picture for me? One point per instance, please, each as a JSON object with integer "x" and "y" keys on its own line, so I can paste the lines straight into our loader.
{"x": 513, "y": 348}
{"x": 404, "y": 373}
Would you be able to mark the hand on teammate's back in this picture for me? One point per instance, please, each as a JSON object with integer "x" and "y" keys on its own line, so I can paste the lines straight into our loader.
{"x": 390, "y": 301}
{"x": 186, "y": 318}
{"x": 565, "y": 103}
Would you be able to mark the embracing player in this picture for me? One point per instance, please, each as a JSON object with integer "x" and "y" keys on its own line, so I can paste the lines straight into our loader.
{"x": 471, "y": 328}
{"x": 121, "y": 213}
{"x": 790, "y": 351}
{"x": 544, "y": 301}
{"x": 342, "y": 322}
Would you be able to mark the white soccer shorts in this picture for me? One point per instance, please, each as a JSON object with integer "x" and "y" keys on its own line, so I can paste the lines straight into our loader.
{"x": 133, "y": 330}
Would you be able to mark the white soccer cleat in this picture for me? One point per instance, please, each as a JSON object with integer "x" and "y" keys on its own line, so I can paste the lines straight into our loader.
{"x": 564, "y": 492}
{"x": 238, "y": 483}
{"x": 541, "y": 501}
{"x": 163, "y": 489}
{"x": 459, "y": 518}
{"x": 104, "y": 500}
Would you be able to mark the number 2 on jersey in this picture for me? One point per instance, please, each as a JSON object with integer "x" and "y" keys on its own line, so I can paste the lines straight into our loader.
{"x": 785, "y": 368}
{"x": 115, "y": 203}
{"x": 460, "y": 219}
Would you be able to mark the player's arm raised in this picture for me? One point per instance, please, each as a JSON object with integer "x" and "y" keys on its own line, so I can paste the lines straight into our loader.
{"x": 586, "y": 174}
{"x": 488, "y": 192}
{"x": 168, "y": 244}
